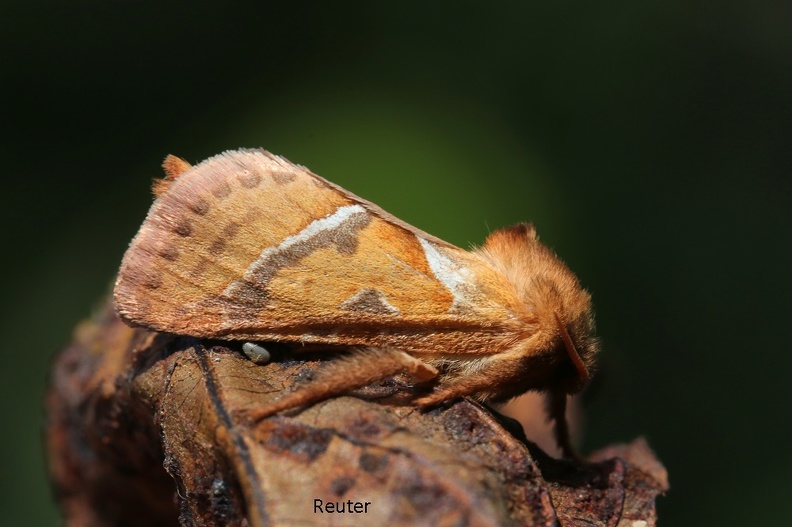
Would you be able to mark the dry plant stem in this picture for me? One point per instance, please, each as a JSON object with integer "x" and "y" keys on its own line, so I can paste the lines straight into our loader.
{"x": 147, "y": 429}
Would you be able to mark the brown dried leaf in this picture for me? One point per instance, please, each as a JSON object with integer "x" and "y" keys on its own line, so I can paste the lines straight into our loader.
{"x": 151, "y": 429}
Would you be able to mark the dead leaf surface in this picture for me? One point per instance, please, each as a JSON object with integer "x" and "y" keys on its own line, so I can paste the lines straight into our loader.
{"x": 147, "y": 429}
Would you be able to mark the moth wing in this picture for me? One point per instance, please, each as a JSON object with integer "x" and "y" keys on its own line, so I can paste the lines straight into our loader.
{"x": 246, "y": 245}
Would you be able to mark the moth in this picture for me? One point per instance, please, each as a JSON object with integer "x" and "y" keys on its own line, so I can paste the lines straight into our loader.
{"x": 248, "y": 246}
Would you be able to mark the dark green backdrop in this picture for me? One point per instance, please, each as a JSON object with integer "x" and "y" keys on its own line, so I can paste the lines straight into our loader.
{"x": 649, "y": 142}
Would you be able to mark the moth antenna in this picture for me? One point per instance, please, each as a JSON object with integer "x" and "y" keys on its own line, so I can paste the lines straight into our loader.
{"x": 577, "y": 360}
{"x": 174, "y": 167}
{"x": 363, "y": 366}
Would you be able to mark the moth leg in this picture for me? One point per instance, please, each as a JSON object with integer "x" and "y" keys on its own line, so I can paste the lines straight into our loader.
{"x": 556, "y": 404}
{"x": 480, "y": 386}
{"x": 361, "y": 367}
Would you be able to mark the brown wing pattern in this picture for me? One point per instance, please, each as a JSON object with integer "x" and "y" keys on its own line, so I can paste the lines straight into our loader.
{"x": 246, "y": 245}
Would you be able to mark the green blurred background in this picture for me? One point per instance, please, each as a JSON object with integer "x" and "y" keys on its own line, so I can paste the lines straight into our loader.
{"x": 648, "y": 141}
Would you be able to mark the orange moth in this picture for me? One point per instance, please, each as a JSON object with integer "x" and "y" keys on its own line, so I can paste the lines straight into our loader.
{"x": 248, "y": 246}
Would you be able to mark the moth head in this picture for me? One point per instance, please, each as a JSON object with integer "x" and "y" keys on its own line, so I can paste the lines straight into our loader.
{"x": 550, "y": 299}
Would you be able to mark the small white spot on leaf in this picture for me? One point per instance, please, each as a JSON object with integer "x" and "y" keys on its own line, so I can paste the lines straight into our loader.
{"x": 256, "y": 353}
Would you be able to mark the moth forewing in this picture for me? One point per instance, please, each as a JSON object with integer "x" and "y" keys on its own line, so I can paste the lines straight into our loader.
{"x": 247, "y": 246}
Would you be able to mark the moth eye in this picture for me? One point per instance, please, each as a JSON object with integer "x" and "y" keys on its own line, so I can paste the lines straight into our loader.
{"x": 567, "y": 377}
{"x": 256, "y": 353}
{"x": 564, "y": 368}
